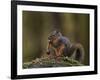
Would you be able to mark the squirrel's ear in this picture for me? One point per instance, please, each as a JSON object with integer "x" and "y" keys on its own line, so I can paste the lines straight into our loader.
{"x": 60, "y": 34}
{"x": 57, "y": 32}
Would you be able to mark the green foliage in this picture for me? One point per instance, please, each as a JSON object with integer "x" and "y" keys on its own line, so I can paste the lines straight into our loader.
{"x": 51, "y": 62}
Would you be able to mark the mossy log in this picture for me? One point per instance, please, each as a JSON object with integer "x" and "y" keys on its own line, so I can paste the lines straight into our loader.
{"x": 51, "y": 62}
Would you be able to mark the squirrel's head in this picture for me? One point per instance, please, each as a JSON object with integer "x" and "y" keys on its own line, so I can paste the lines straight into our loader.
{"x": 55, "y": 35}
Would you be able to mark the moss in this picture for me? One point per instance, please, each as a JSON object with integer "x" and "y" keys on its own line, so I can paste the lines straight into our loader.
{"x": 51, "y": 62}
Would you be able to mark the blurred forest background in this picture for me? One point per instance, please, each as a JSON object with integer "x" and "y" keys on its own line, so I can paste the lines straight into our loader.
{"x": 38, "y": 25}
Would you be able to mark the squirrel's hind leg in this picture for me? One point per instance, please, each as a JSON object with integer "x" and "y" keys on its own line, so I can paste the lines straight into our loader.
{"x": 77, "y": 52}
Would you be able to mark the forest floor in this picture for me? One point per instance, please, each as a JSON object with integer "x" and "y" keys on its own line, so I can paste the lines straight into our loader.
{"x": 51, "y": 62}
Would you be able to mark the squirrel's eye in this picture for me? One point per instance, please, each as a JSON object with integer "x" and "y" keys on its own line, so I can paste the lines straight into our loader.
{"x": 53, "y": 35}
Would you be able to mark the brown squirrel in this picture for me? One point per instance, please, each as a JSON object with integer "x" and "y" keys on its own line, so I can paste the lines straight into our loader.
{"x": 59, "y": 45}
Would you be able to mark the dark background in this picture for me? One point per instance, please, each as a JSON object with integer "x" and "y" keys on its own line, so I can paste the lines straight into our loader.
{"x": 38, "y": 25}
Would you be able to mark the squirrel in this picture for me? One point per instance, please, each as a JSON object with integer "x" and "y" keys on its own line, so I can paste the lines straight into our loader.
{"x": 60, "y": 45}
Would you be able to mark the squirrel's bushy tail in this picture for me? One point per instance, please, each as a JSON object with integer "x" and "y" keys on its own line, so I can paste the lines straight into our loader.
{"x": 77, "y": 51}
